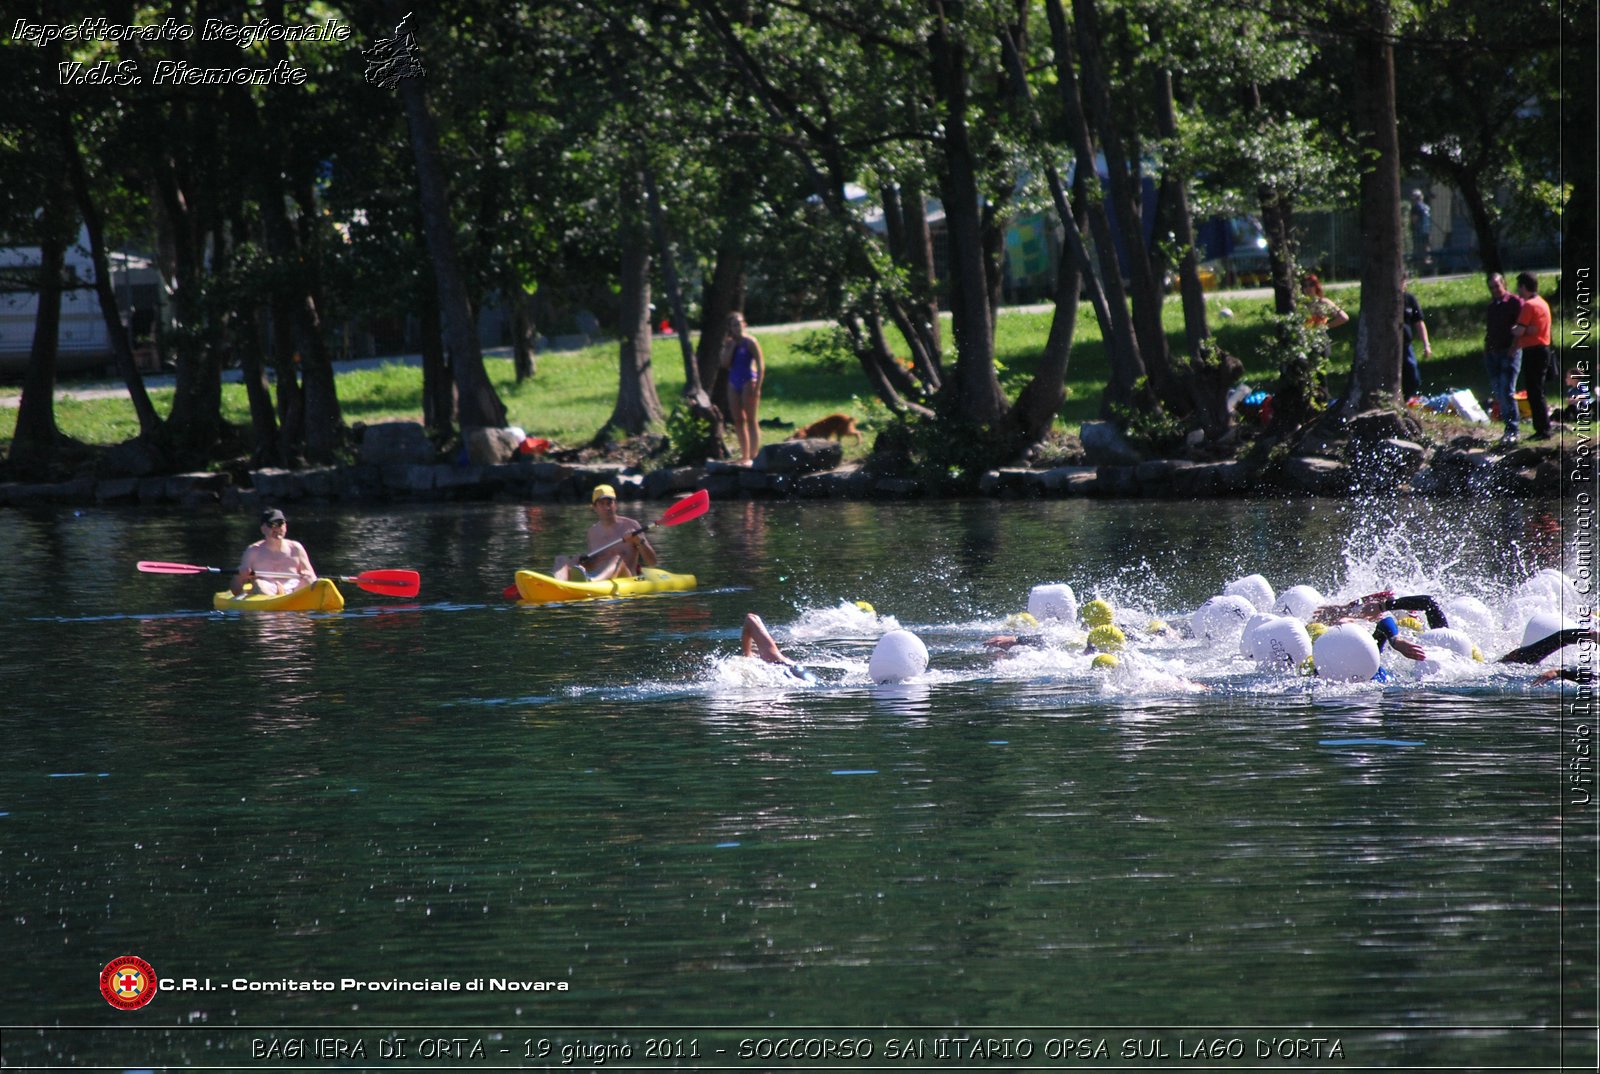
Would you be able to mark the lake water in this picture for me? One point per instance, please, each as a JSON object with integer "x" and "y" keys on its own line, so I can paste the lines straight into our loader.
{"x": 1183, "y": 850}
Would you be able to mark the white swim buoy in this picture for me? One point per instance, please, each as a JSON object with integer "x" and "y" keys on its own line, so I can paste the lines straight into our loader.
{"x": 1254, "y": 588}
{"x": 1550, "y": 586}
{"x": 1054, "y": 601}
{"x": 898, "y": 656}
{"x": 1543, "y": 624}
{"x": 1222, "y": 618}
{"x": 1300, "y": 601}
{"x": 1277, "y": 640}
{"x": 1346, "y": 653}
{"x": 1447, "y": 639}
{"x": 1247, "y": 639}
{"x": 1470, "y": 614}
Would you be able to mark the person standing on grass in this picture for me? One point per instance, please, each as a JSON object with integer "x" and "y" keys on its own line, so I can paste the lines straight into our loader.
{"x": 747, "y": 368}
{"x": 1532, "y": 333}
{"x": 1501, "y": 356}
{"x": 1412, "y": 327}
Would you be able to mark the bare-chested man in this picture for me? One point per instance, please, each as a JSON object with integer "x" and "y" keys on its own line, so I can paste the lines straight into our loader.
{"x": 620, "y": 560}
{"x": 274, "y": 555}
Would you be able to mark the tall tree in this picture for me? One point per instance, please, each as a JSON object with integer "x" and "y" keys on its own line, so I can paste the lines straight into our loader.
{"x": 477, "y": 401}
{"x": 1375, "y": 373}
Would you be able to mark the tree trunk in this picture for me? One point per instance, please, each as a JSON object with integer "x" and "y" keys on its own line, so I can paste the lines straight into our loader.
{"x": 1123, "y": 174}
{"x": 638, "y": 406}
{"x": 1175, "y": 198}
{"x": 438, "y": 389}
{"x": 33, "y": 445}
{"x": 478, "y": 402}
{"x": 695, "y": 397}
{"x": 973, "y": 392}
{"x": 524, "y": 330}
{"x": 1375, "y": 374}
{"x": 925, "y": 284}
{"x": 196, "y": 418}
{"x": 1482, "y": 220}
{"x": 723, "y": 294}
{"x": 1037, "y": 405}
{"x": 150, "y": 426}
{"x": 1122, "y": 345}
{"x": 324, "y": 420}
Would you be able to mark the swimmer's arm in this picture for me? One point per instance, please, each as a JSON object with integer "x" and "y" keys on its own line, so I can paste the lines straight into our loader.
{"x": 1532, "y": 654}
{"x": 1419, "y": 603}
{"x": 1368, "y": 607}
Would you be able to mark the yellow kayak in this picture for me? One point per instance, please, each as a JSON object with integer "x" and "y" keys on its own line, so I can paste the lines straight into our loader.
{"x": 320, "y": 596}
{"x": 536, "y": 588}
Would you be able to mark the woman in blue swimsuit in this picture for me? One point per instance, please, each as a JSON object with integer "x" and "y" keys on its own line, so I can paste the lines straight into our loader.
{"x": 741, "y": 357}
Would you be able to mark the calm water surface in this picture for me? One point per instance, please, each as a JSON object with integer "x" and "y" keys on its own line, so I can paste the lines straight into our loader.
{"x": 458, "y": 788}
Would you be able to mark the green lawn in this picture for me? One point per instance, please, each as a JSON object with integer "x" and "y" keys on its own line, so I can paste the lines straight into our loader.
{"x": 572, "y": 394}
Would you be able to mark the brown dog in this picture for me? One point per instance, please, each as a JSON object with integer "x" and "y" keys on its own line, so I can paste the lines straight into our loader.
{"x": 832, "y": 427}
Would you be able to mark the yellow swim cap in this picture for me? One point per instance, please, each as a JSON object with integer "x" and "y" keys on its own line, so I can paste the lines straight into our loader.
{"x": 1096, "y": 613}
{"x": 1157, "y": 626}
{"x": 1021, "y": 619}
{"x": 864, "y": 606}
{"x": 1316, "y": 630}
{"x": 1308, "y": 666}
{"x": 1107, "y": 638}
{"x": 1477, "y": 654}
{"x": 1104, "y": 660}
{"x": 1411, "y": 622}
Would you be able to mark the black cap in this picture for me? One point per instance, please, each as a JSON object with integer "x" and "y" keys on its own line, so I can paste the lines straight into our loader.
{"x": 272, "y": 515}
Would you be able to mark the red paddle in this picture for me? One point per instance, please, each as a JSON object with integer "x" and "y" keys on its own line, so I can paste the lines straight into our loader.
{"x": 391, "y": 583}
{"x": 685, "y": 510}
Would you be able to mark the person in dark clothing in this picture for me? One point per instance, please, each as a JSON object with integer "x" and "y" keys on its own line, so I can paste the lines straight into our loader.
{"x": 1502, "y": 358}
{"x": 1412, "y": 328}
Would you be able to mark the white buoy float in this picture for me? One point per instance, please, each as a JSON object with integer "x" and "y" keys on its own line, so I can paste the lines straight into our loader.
{"x": 1470, "y": 614}
{"x": 1346, "y": 653}
{"x": 1300, "y": 601}
{"x": 1054, "y": 601}
{"x": 1276, "y": 639}
{"x": 1445, "y": 646}
{"x": 1543, "y": 624}
{"x": 1550, "y": 586}
{"x": 1254, "y": 588}
{"x": 1222, "y": 618}
{"x": 898, "y": 656}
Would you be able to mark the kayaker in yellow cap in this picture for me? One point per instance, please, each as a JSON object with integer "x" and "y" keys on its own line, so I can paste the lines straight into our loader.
{"x": 273, "y": 554}
{"x": 629, "y": 550}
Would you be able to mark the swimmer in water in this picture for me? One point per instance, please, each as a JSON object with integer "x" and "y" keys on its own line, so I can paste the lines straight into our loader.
{"x": 1376, "y": 605}
{"x": 1537, "y": 651}
{"x": 756, "y": 640}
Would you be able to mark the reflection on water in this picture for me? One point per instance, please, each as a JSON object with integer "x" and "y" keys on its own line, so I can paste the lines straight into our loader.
{"x": 605, "y": 793}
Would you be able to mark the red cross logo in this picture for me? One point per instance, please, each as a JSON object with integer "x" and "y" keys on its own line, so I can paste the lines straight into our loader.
{"x": 128, "y": 983}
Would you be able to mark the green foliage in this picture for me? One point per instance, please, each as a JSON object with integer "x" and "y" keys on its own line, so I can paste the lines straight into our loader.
{"x": 1149, "y": 427}
{"x": 689, "y": 437}
{"x": 830, "y": 349}
{"x": 1301, "y": 353}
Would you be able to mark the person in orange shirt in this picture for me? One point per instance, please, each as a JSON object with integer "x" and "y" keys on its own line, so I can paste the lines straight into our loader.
{"x": 1532, "y": 334}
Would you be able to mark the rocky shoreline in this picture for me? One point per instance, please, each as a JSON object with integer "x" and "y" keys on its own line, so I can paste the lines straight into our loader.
{"x": 1373, "y": 454}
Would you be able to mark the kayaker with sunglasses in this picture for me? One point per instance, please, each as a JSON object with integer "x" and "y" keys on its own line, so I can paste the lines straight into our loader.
{"x": 274, "y": 554}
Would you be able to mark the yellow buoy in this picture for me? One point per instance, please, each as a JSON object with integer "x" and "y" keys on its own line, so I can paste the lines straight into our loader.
{"x": 1107, "y": 638}
{"x": 1096, "y": 613}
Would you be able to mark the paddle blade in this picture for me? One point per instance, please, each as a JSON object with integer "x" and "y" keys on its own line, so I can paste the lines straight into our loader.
{"x": 685, "y": 509}
{"x": 391, "y": 583}
{"x": 511, "y": 592}
{"x": 152, "y": 566}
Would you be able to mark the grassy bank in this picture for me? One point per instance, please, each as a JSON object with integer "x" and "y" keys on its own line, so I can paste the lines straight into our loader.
{"x": 572, "y": 394}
